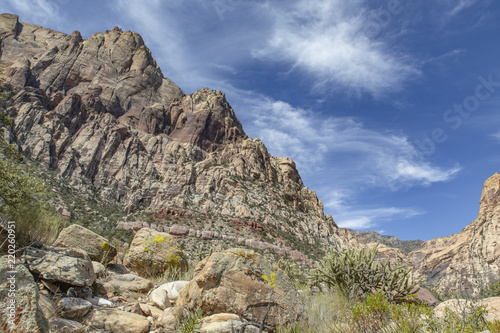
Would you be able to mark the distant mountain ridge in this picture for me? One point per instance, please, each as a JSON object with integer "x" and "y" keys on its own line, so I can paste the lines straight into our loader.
{"x": 391, "y": 241}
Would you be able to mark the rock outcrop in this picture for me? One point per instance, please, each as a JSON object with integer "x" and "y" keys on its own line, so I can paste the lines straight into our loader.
{"x": 242, "y": 282}
{"x": 470, "y": 259}
{"x": 77, "y": 237}
{"x": 152, "y": 253}
{"x": 100, "y": 112}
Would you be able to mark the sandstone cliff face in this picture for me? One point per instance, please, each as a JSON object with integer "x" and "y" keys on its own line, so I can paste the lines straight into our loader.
{"x": 469, "y": 259}
{"x": 100, "y": 112}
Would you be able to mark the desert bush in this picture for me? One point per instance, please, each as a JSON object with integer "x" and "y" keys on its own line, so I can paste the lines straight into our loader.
{"x": 357, "y": 272}
{"x": 191, "y": 322}
{"x": 372, "y": 314}
{"x": 491, "y": 290}
{"x": 471, "y": 317}
{"x": 292, "y": 271}
{"x": 494, "y": 326}
{"x": 324, "y": 312}
{"x": 36, "y": 222}
{"x": 21, "y": 191}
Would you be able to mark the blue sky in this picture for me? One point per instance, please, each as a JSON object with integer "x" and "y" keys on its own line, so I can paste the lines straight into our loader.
{"x": 389, "y": 108}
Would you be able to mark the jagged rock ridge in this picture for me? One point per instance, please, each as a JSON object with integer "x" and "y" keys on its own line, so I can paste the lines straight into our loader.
{"x": 470, "y": 259}
{"x": 390, "y": 241}
{"x": 101, "y": 113}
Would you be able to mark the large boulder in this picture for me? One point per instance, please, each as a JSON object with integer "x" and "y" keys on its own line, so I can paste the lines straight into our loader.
{"x": 492, "y": 304}
{"x": 152, "y": 252}
{"x": 243, "y": 282}
{"x": 77, "y": 237}
{"x": 115, "y": 320}
{"x": 61, "y": 265}
{"x": 20, "y": 312}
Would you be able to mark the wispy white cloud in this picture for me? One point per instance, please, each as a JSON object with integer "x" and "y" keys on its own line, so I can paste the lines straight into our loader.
{"x": 495, "y": 136}
{"x": 455, "y": 7}
{"x": 327, "y": 39}
{"x": 343, "y": 145}
{"x": 349, "y": 158}
{"x": 40, "y": 12}
{"x": 359, "y": 217}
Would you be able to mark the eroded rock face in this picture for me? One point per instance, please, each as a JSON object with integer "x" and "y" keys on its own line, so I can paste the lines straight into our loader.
{"x": 234, "y": 281}
{"x": 101, "y": 113}
{"x": 470, "y": 259}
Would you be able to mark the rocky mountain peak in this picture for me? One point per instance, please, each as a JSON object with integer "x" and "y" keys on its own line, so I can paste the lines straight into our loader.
{"x": 114, "y": 69}
{"x": 490, "y": 195}
{"x": 100, "y": 113}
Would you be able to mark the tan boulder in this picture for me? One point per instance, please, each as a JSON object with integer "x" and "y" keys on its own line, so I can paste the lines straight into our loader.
{"x": 234, "y": 281}
{"x": 77, "y": 237}
{"x": 169, "y": 319}
{"x": 115, "y": 320}
{"x": 47, "y": 306}
{"x": 225, "y": 323}
{"x": 127, "y": 283}
{"x": 99, "y": 269}
{"x": 152, "y": 252}
{"x": 493, "y": 306}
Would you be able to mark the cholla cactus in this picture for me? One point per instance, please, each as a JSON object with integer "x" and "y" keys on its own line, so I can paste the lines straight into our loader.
{"x": 357, "y": 271}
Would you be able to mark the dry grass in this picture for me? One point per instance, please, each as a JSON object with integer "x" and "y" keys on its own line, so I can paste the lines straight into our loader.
{"x": 332, "y": 312}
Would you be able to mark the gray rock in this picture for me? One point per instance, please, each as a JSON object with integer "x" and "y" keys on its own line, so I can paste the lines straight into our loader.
{"x": 59, "y": 264}
{"x": 73, "y": 308}
{"x": 47, "y": 306}
{"x": 21, "y": 312}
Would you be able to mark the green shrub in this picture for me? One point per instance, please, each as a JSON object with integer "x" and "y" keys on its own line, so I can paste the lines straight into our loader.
{"x": 191, "y": 323}
{"x": 292, "y": 271}
{"x": 492, "y": 290}
{"x": 469, "y": 318}
{"x": 357, "y": 272}
{"x": 372, "y": 314}
{"x": 37, "y": 222}
{"x": 494, "y": 326}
